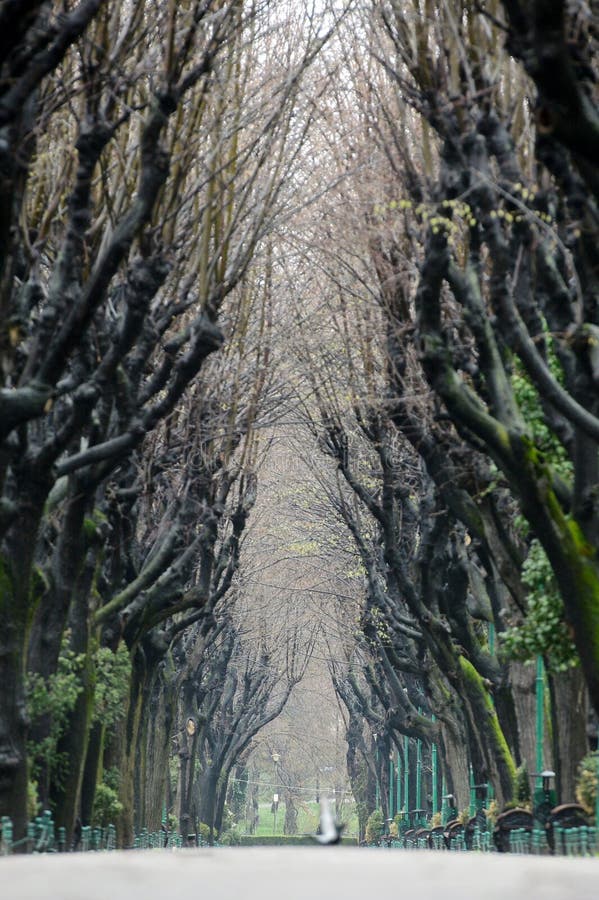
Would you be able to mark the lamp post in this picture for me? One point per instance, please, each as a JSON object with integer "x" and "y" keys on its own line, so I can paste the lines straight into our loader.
{"x": 544, "y": 797}
{"x": 275, "y": 800}
{"x": 398, "y": 782}
{"x": 418, "y": 773}
{"x": 434, "y": 776}
{"x": 406, "y": 772}
{"x": 377, "y": 790}
{"x": 540, "y": 698}
{"x": 391, "y": 785}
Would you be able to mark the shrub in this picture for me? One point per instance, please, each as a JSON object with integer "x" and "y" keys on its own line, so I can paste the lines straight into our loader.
{"x": 112, "y": 684}
{"x": 544, "y": 629}
{"x": 230, "y": 839}
{"x": 107, "y": 806}
{"x": 53, "y": 697}
{"x": 492, "y": 813}
{"x": 204, "y": 832}
{"x": 374, "y": 826}
{"x": 522, "y": 787}
{"x": 399, "y": 820}
{"x": 586, "y": 782}
{"x": 33, "y": 802}
{"x": 112, "y": 777}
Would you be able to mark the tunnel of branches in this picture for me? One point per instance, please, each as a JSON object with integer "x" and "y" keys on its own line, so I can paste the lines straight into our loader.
{"x": 299, "y": 413}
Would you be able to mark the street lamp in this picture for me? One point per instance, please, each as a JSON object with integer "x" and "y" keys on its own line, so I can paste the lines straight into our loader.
{"x": 540, "y": 720}
{"x": 392, "y": 806}
{"x": 544, "y": 797}
{"x": 377, "y": 790}
{"x": 275, "y": 799}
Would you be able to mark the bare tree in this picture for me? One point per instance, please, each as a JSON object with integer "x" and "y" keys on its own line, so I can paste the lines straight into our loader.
{"x": 146, "y": 150}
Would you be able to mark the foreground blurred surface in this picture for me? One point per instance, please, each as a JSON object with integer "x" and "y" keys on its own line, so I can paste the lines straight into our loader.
{"x": 265, "y": 873}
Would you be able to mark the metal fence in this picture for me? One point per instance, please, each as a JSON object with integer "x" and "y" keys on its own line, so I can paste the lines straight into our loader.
{"x": 154, "y": 840}
{"x": 579, "y": 841}
{"x": 44, "y": 837}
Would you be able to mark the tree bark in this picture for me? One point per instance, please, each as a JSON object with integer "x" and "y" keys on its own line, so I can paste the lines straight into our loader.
{"x": 290, "y": 826}
{"x": 73, "y": 746}
{"x": 523, "y": 681}
{"x": 160, "y": 726}
{"x": 92, "y": 771}
{"x": 498, "y": 760}
{"x": 208, "y": 783}
{"x": 20, "y": 589}
{"x": 132, "y": 753}
{"x": 569, "y": 701}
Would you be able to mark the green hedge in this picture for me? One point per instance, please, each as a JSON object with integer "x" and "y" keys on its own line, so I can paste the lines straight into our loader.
{"x": 284, "y": 840}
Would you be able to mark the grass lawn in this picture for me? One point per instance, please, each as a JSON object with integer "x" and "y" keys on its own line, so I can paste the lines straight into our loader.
{"x": 307, "y": 819}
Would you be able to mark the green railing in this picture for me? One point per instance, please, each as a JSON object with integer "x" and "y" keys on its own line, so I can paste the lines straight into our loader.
{"x": 155, "y": 840}
{"x": 580, "y": 841}
{"x": 43, "y": 837}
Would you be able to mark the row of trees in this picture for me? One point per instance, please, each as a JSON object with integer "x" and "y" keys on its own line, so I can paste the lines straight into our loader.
{"x": 167, "y": 241}
{"x": 147, "y": 154}
{"x": 453, "y": 386}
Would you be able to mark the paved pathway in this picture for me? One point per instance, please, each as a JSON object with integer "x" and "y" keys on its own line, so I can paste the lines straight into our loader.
{"x": 322, "y": 873}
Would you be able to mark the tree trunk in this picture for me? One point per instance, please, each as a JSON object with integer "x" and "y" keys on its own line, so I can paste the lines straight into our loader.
{"x": 51, "y": 615}
{"x": 92, "y": 771}
{"x": 290, "y": 826}
{"x": 207, "y": 807}
{"x": 160, "y": 725}
{"x": 13, "y": 722}
{"x": 188, "y": 748}
{"x": 483, "y": 720}
{"x": 357, "y": 771}
{"x": 454, "y": 749}
{"x": 523, "y": 681}
{"x": 184, "y": 810}
{"x": 130, "y": 761}
{"x": 569, "y": 701}
{"x": 73, "y": 746}
{"x": 252, "y": 808}
{"x": 239, "y": 790}
{"x": 221, "y": 797}
{"x": 20, "y": 589}
{"x": 505, "y": 705}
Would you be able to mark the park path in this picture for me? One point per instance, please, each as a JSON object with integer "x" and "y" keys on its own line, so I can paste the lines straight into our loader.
{"x": 306, "y": 873}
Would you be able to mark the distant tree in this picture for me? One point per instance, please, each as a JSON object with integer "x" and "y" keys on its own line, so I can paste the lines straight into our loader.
{"x": 233, "y": 693}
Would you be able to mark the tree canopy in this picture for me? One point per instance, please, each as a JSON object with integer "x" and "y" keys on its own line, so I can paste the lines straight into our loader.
{"x": 359, "y": 238}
